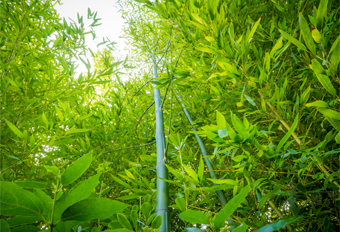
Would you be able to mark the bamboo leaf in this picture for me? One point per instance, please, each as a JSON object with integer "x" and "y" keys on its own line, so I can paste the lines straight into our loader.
{"x": 124, "y": 221}
{"x": 317, "y": 104}
{"x": 252, "y": 32}
{"x": 321, "y": 14}
{"x": 306, "y": 33}
{"x": 221, "y": 122}
{"x": 230, "y": 207}
{"x": 277, "y": 225}
{"x": 201, "y": 169}
{"x": 14, "y": 129}
{"x": 241, "y": 228}
{"x": 224, "y": 181}
{"x": 268, "y": 195}
{"x": 329, "y": 113}
{"x": 194, "y": 216}
{"x": 320, "y": 74}
{"x": 191, "y": 172}
{"x": 291, "y": 130}
{"x": 293, "y": 40}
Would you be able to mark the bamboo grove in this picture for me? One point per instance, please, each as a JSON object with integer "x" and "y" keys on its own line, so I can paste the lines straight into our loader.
{"x": 228, "y": 119}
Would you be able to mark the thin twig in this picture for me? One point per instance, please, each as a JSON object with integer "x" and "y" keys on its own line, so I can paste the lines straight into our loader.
{"x": 144, "y": 114}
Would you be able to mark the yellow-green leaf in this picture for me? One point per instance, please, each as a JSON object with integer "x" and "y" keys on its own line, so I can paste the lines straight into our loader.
{"x": 293, "y": 40}
{"x": 306, "y": 33}
{"x": 14, "y": 129}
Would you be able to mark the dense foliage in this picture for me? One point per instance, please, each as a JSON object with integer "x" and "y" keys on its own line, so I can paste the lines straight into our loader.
{"x": 260, "y": 80}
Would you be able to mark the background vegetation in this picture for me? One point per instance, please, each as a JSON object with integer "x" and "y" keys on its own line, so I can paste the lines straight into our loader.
{"x": 259, "y": 79}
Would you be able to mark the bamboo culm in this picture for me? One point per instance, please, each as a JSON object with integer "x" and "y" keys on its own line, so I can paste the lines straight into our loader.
{"x": 162, "y": 171}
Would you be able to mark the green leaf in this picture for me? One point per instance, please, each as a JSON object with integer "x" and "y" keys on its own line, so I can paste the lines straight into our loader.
{"x": 60, "y": 114}
{"x": 4, "y": 227}
{"x": 321, "y": 14}
{"x": 335, "y": 57}
{"x": 252, "y": 32}
{"x": 22, "y": 220}
{"x": 93, "y": 208}
{"x": 14, "y": 129}
{"x": 45, "y": 120}
{"x": 195, "y": 230}
{"x": 146, "y": 209}
{"x": 80, "y": 192}
{"x": 124, "y": 221}
{"x": 120, "y": 181}
{"x": 293, "y": 40}
{"x": 52, "y": 169}
{"x": 224, "y": 181}
{"x": 194, "y": 216}
{"x": 157, "y": 222}
{"x": 180, "y": 202}
{"x": 221, "y": 122}
{"x": 329, "y": 113}
{"x": 207, "y": 50}
{"x": 28, "y": 228}
{"x": 241, "y": 228}
{"x": 288, "y": 134}
{"x": 31, "y": 184}
{"x": 276, "y": 47}
{"x": 317, "y": 104}
{"x": 231, "y": 206}
{"x": 191, "y": 172}
{"x": 73, "y": 131}
{"x": 306, "y": 33}
{"x": 268, "y": 195}
{"x": 320, "y": 74}
{"x": 17, "y": 201}
{"x": 277, "y": 225}
{"x": 76, "y": 169}
{"x": 249, "y": 99}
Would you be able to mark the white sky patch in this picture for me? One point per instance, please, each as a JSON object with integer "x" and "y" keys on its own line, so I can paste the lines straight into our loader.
{"x": 111, "y": 22}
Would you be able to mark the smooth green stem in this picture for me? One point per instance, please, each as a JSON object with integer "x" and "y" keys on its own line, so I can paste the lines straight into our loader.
{"x": 162, "y": 171}
{"x": 53, "y": 206}
{"x": 207, "y": 160}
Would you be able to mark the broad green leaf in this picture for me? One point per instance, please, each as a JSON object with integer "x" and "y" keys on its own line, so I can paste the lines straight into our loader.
{"x": 17, "y": 201}
{"x": 239, "y": 158}
{"x": 277, "y": 225}
{"x": 124, "y": 221}
{"x": 317, "y": 104}
{"x": 157, "y": 222}
{"x": 337, "y": 138}
{"x": 306, "y": 33}
{"x": 316, "y": 35}
{"x": 288, "y": 134}
{"x": 194, "y": 216}
{"x": 76, "y": 169}
{"x": 224, "y": 181}
{"x": 268, "y": 195}
{"x": 14, "y": 129}
{"x": 293, "y": 40}
{"x": 146, "y": 209}
{"x": 321, "y": 14}
{"x": 22, "y": 220}
{"x": 27, "y": 228}
{"x": 52, "y": 169}
{"x": 252, "y": 32}
{"x": 329, "y": 113}
{"x": 335, "y": 57}
{"x": 230, "y": 207}
{"x": 4, "y": 227}
{"x": 45, "y": 199}
{"x": 322, "y": 77}
{"x": 45, "y": 120}
{"x": 221, "y": 122}
{"x": 77, "y": 193}
{"x": 93, "y": 208}
{"x": 129, "y": 174}
{"x": 180, "y": 202}
{"x": 31, "y": 184}
{"x": 241, "y": 228}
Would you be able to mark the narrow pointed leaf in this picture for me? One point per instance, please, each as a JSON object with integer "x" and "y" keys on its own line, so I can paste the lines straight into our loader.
{"x": 293, "y": 40}
{"x": 291, "y": 130}
{"x": 277, "y": 225}
{"x": 14, "y": 129}
{"x": 194, "y": 216}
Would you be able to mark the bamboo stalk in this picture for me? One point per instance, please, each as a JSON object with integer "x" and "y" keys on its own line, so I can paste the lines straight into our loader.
{"x": 162, "y": 171}
{"x": 207, "y": 160}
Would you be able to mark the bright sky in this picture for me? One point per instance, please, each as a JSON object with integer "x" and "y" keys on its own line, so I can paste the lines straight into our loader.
{"x": 111, "y": 27}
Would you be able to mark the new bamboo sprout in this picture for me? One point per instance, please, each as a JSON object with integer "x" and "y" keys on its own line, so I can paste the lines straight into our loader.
{"x": 162, "y": 171}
